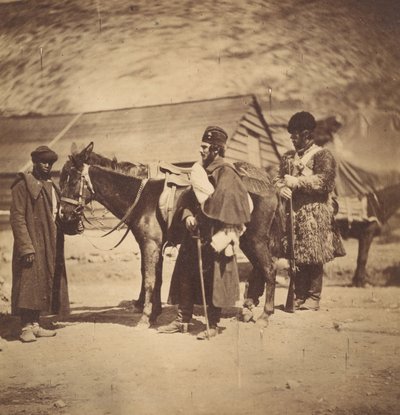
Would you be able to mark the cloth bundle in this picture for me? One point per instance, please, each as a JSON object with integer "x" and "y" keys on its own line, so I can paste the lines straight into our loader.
{"x": 201, "y": 185}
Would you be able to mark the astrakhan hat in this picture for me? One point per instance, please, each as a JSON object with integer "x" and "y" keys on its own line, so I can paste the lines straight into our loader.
{"x": 215, "y": 135}
{"x": 301, "y": 121}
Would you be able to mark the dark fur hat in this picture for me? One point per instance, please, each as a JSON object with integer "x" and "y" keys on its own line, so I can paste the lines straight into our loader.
{"x": 301, "y": 121}
{"x": 44, "y": 154}
{"x": 215, "y": 135}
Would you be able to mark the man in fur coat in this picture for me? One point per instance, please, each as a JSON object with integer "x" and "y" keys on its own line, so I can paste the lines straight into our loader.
{"x": 39, "y": 278}
{"x": 307, "y": 175}
{"x": 216, "y": 208}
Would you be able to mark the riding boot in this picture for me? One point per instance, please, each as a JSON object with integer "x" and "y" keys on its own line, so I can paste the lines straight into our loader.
{"x": 313, "y": 287}
{"x": 300, "y": 284}
{"x": 179, "y": 325}
{"x": 214, "y": 315}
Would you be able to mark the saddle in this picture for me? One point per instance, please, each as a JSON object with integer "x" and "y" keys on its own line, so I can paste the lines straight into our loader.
{"x": 174, "y": 177}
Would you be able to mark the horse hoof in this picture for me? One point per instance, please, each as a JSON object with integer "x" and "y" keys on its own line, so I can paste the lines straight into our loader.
{"x": 132, "y": 306}
{"x": 263, "y": 321}
{"x": 136, "y": 310}
{"x": 247, "y": 316}
{"x": 142, "y": 325}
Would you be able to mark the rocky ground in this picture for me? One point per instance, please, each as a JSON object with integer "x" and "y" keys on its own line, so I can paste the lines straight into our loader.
{"x": 73, "y": 56}
{"x": 340, "y": 360}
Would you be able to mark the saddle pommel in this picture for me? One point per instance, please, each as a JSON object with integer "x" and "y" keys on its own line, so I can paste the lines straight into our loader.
{"x": 166, "y": 167}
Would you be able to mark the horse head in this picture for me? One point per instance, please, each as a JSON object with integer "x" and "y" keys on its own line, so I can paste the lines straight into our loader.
{"x": 76, "y": 189}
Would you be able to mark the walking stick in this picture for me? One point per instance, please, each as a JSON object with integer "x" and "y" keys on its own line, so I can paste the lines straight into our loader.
{"x": 203, "y": 291}
{"x": 289, "y": 307}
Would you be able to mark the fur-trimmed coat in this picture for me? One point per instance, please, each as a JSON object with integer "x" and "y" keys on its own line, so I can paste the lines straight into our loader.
{"x": 42, "y": 286}
{"x": 316, "y": 239}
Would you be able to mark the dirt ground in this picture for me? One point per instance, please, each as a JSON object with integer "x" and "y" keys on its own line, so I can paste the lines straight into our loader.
{"x": 343, "y": 359}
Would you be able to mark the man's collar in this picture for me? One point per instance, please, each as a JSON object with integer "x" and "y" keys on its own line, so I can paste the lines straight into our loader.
{"x": 215, "y": 164}
{"x": 305, "y": 148}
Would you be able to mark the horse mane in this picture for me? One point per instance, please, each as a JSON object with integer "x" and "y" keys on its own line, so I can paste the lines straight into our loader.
{"x": 124, "y": 167}
{"x": 124, "y": 178}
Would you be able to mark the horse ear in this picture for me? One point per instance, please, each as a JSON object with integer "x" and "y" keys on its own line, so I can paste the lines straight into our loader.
{"x": 86, "y": 152}
{"x": 72, "y": 159}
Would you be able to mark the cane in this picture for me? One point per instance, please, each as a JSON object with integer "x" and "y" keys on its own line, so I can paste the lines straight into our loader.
{"x": 203, "y": 291}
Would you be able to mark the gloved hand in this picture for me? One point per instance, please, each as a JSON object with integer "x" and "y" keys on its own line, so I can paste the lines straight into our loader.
{"x": 291, "y": 181}
{"x": 27, "y": 260}
{"x": 191, "y": 223}
{"x": 285, "y": 192}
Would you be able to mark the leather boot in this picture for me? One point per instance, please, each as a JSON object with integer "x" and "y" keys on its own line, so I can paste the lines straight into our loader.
{"x": 27, "y": 335}
{"x": 41, "y": 332}
{"x": 203, "y": 335}
{"x": 176, "y": 326}
{"x": 310, "y": 304}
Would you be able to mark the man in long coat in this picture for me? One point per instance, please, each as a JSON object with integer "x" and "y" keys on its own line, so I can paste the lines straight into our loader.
{"x": 307, "y": 175}
{"x": 216, "y": 212}
{"x": 39, "y": 276}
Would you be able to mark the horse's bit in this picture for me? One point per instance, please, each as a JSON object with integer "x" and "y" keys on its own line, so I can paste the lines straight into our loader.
{"x": 85, "y": 181}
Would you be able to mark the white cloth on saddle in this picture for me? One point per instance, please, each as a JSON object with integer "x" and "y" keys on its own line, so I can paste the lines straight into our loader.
{"x": 201, "y": 185}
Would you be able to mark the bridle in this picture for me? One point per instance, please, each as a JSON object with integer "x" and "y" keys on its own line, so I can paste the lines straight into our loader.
{"x": 84, "y": 183}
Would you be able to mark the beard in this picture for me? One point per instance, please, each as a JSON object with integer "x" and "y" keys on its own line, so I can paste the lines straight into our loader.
{"x": 210, "y": 158}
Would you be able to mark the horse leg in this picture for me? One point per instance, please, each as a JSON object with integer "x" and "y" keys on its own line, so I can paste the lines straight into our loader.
{"x": 364, "y": 244}
{"x": 258, "y": 253}
{"x": 137, "y": 305}
{"x": 150, "y": 250}
{"x": 156, "y": 297}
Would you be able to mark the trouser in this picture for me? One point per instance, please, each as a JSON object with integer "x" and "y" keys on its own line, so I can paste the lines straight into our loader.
{"x": 29, "y": 316}
{"x": 213, "y": 313}
{"x": 308, "y": 281}
{"x": 189, "y": 284}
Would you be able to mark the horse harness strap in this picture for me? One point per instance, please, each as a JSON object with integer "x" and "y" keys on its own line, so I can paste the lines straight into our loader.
{"x": 85, "y": 178}
{"x": 174, "y": 177}
{"x": 128, "y": 213}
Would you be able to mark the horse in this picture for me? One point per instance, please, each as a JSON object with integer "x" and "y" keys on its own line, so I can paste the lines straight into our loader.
{"x": 88, "y": 176}
{"x": 388, "y": 200}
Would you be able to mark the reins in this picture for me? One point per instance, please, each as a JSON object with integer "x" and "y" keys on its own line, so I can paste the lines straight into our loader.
{"x": 85, "y": 180}
{"x": 129, "y": 211}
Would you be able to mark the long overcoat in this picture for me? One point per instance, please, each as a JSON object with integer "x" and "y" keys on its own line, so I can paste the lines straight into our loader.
{"x": 227, "y": 205}
{"x": 43, "y": 286}
{"x": 316, "y": 239}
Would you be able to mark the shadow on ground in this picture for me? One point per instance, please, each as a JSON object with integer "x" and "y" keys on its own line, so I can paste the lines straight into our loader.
{"x": 10, "y": 325}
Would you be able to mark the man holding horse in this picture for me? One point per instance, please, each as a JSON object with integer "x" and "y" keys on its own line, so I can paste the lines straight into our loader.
{"x": 307, "y": 176}
{"x": 214, "y": 210}
{"x": 39, "y": 278}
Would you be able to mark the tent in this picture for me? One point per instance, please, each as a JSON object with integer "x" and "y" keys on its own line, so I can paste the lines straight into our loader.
{"x": 365, "y": 143}
{"x": 143, "y": 134}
